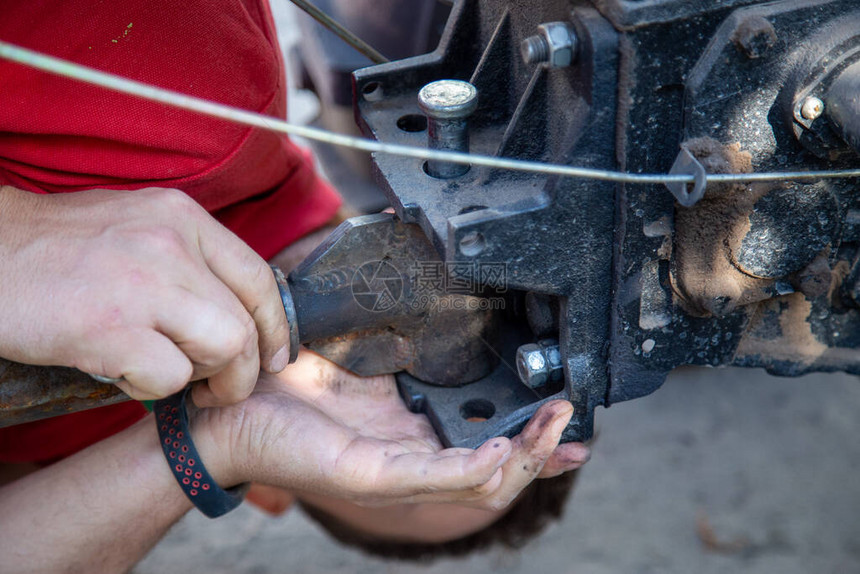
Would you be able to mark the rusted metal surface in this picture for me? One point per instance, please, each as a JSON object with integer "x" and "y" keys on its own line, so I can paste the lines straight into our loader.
{"x": 29, "y": 393}
{"x": 369, "y": 298}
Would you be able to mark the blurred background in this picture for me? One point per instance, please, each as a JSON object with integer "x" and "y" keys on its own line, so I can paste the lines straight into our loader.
{"x": 721, "y": 470}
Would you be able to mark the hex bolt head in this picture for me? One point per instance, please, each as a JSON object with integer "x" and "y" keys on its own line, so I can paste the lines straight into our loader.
{"x": 532, "y": 366}
{"x": 555, "y": 45}
{"x": 539, "y": 363}
{"x": 812, "y": 108}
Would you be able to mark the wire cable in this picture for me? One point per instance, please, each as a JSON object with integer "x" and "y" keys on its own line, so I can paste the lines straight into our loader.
{"x": 116, "y": 83}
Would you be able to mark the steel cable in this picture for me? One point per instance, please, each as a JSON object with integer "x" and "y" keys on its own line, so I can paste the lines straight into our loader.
{"x": 116, "y": 83}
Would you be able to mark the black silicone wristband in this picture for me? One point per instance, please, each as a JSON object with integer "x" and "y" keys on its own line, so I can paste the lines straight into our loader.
{"x": 184, "y": 461}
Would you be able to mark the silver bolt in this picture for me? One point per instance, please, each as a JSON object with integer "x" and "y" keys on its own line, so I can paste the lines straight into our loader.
{"x": 812, "y": 108}
{"x": 447, "y": 105}
{"x": 535, "y": 50}
{"x": 540, "y": 363}
{"x": 555, "y": 44}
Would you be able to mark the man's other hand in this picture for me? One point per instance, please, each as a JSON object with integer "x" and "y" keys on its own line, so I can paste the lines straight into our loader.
{"x": 317, "y": 429}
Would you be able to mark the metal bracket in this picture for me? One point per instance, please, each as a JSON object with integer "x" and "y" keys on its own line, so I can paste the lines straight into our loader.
{"x": 687, "y": 164}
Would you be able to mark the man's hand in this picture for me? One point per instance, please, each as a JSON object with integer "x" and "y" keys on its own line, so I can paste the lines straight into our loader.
{"x": 316, "y": 428}
{"x": 143, "y": 285}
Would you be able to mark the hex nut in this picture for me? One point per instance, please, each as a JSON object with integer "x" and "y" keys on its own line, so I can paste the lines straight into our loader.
{"x": 555, "y": 45}
{"x": 532, "y": 366}
{"x": 552, "y": 354}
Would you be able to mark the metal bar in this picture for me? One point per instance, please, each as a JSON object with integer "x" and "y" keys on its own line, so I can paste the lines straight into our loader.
{"x": 68, "y": 69}
{"x": 29, "y": 393}
{"x": 341, "y": 32}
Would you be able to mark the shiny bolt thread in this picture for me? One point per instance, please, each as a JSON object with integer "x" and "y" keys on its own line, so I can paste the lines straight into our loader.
{"x": 535, "y": 50}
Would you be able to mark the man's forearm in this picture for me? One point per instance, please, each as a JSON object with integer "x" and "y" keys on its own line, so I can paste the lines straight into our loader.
{"x": 100, "y": 510}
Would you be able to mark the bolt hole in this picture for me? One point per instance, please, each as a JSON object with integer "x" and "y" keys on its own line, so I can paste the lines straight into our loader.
{"x": 426, "y": 168}
{"x": 412, "y": 123}
{"x": 472, "y": 244}
{"x": 471, "y": 208}
{"x": 477, "y": 410}
{"x": 372, "y": 91}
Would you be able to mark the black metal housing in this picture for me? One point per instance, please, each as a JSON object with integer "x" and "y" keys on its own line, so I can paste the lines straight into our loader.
{"x": 636, "y": 284}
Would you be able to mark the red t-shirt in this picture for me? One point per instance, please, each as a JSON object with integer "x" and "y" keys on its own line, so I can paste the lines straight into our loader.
{"x": 58, "y": 135}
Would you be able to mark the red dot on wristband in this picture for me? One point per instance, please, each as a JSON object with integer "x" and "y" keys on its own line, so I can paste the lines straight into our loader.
{"x": 180, "y": 434}
{"x": 171, "y": 431}
{"x": 163, "y": 427}
{"x": 191, "y": 462}
{"x": 168, "y": 419}
{"x": 167, "y": 440}
{"x": 188, "y": 471}
{"x": 176, "y": 444}
{"x": 161, "y": 416}
{"x": 198, "y": 476}
{"x": 178, "y": 468}
{"x": 172, "y": 454}
{"x": 184, "y": 448}
{"x": 195, "y": 484}
{"x": 173, "y": 410}
{"x": 175, "y": 422}
{"x": 192, "y": 492}
{"x": 205, "y": 486}
{"x": 186, "y": 481}
{"x": 181, "y": 458}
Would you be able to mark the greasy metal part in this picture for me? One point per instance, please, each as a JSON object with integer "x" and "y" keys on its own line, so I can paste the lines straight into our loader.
{"x": 344, "y": 34}
{"x": 539, "y": 363}
{"x": 448, "y": 105}
{"x": 555, "y": 45}
{"x": 548, "y": 232}
{"x": 701, "y": 279}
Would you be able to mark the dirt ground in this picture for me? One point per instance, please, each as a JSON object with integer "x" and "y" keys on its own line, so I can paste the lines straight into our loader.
{"x": 722, "y": 470}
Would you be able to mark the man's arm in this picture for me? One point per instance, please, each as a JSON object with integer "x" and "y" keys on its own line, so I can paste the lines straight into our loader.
{"x": 98, "y": 511}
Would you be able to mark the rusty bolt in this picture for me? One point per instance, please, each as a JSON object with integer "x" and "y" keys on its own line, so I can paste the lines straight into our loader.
{"x": 539, "y": 363}
{"x": 555, "y": 45}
